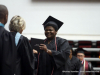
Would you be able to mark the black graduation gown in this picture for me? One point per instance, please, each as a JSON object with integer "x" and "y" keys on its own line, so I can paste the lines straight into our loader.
{"x": 58, "y": 62}
{"x": 90, "y": 68}
{"x": 7, "y": 53}
{"x": 75, "y": 65}
{"x": 25, "y": 57}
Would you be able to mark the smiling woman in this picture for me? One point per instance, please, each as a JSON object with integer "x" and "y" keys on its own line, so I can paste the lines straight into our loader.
{"x": 51, "y": 26}
{"x": 50, "y": 32}
{"x": 55, "y": 56}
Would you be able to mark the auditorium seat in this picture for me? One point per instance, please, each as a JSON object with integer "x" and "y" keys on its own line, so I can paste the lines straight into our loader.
{"x": 71, "y": 43}
{"x": 84, "y": 44}
{"x": 98, "y": 64}
{"x": 88, "y": 54}
{"x": 98, "y": 44}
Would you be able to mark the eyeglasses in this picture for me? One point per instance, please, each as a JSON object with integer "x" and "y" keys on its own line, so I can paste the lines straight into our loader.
{"x": 80, "y": 55}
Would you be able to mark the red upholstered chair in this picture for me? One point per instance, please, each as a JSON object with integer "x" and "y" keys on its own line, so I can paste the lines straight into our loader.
{"x": 88, "y": 54}
{"x": 98, "y": 44}
{"x": 84, "y": 44}
{"x": 98, "y": 64}
{"x": 71, "y": 43}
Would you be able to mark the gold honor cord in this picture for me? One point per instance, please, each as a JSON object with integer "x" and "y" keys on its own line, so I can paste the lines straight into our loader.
{"x": 84, "y": 67}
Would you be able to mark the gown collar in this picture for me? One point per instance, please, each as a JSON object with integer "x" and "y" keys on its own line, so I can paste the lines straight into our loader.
{"x": 52, "y": 41}
{"x": 17, "y": 37}
{"x": 1, "y": 24}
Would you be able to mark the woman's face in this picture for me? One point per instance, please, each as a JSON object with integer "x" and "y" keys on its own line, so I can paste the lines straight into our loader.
{"x": 50, "y": 32}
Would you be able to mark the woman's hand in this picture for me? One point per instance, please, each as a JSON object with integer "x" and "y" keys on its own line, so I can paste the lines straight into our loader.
{"x": 43, "y": 47}
{"x": 35, "y": 51}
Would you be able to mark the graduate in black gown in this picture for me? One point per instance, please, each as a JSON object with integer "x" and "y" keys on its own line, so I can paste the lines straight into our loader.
{"x": 75, "y": 63}
{"x": 54, "y": 58}
{"x": 86, "y": 68}
{"x": 7, "y": 45}
{"x": 25, "y": 57}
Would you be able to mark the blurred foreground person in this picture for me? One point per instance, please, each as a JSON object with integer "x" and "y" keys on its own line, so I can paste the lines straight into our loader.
{"x": 75, "y": 63}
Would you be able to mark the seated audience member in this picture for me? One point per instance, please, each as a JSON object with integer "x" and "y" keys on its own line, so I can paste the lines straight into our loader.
{"x": 75, "y": 63}
{"x": 86, "y": 68}
{"x": 25, "y": 57}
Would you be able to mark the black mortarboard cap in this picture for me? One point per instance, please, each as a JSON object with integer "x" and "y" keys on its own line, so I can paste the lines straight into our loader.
{"x": 52, "y": 19}
{"x": 80, "y": 50}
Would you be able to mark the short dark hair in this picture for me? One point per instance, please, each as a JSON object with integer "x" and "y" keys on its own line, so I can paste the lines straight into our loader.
{"x": 3, "y": 11}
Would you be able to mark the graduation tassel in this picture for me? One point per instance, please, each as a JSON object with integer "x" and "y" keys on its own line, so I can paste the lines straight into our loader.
{"x": 84, "y": 67}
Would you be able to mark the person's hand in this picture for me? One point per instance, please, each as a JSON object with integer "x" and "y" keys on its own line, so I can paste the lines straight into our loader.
{"x": 43, "y": 47}
{"x": 35, "y": 51}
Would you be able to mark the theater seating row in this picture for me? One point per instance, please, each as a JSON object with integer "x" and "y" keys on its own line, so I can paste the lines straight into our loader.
{"x": 85, "y": 44}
